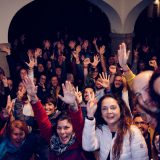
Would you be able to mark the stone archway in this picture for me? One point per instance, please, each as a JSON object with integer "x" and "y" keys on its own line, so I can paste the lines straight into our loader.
{"x": 7, "y": 11}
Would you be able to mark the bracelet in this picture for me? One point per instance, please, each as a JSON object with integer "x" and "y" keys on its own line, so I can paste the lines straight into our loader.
{"x": 90, "y": 118}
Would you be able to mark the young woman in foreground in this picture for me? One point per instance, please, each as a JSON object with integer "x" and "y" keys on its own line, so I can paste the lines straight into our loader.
{"x": 65, "y": 139}
{"x": 112, "y": 132}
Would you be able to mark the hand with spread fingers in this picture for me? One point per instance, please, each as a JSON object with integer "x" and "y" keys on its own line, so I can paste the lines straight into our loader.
{"x": 91, "y": 106}
{"x": 31, "y": 89}
{"x": 69, "y": 95}
{"x": 94, "y": 41}
{"x": 86, "y": 62}
{"x": 123, "y": 55}
{"x": 95, "y": 61}
{"x": 9, "y": 104}
{"x": 104, "y": 80}
{"x": 31, "y": 63}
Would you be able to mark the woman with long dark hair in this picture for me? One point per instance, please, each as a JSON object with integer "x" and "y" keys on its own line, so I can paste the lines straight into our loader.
{"x": 112, "y": 132}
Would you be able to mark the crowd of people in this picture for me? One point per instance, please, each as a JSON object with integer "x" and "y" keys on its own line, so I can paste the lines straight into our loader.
{"x": 72, "y": 99}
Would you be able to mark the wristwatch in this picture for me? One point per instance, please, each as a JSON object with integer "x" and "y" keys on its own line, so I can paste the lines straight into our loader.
{"x": 90, "y": 118}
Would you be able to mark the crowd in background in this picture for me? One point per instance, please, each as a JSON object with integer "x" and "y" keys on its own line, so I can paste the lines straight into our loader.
{"x": 74, "y": 99}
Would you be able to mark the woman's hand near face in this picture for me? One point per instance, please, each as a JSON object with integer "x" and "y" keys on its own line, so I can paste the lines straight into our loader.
{"x": 91, "y": 106}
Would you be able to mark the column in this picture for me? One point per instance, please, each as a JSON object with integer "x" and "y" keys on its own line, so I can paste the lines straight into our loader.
{"x": 3, "y": 60}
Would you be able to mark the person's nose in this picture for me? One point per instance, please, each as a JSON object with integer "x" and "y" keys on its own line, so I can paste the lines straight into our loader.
{"x": 145, "y": 96}
{"x": 109, "y": 110}
{"x": 62, "y": 131}
{"x": 139, "y": 125}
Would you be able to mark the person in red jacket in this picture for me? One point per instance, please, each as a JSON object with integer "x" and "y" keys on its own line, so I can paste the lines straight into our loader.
{"x": 65, "y": 139}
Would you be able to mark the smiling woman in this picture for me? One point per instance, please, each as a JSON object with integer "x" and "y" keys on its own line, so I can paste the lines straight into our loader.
{"x": 65, "y": 138}
{"x": 10, "y": 146}
{"x": 114, "y": 135}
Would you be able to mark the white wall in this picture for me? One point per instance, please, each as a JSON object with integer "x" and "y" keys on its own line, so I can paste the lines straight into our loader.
{"x": 8, "y": 8}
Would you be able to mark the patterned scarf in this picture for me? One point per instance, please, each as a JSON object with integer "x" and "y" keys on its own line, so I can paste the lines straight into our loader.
{"x": 58, "y": 147}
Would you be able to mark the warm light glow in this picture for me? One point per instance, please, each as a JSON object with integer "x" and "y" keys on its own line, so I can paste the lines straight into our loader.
{"x": 156, "y": 2}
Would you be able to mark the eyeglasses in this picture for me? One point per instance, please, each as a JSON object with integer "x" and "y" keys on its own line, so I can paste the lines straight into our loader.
{"x": 140, "y": 123}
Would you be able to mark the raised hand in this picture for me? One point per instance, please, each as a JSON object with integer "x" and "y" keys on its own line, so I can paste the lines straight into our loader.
{"x": 31, "y": 63}
{"x": 95, "y": 41}
{"x": 123, "y": 55}
{"x": 95, "y": 61}
{"x": 153, "y": 63}
{"x": 104, "y": 80}
{"x": 69, "y": 95}
{"x": 31, "y": 89}
{"x": 91, "y": 106}
{"x": 6, "y": 112}
{"x": 102, "y": 50}
{"x": 78, "y": 95}
{"x": 86, "y": 62}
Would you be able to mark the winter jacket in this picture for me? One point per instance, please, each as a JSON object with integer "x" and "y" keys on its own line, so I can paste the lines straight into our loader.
{"x": 74, "y": 152}
{"x": 94, "y": 139}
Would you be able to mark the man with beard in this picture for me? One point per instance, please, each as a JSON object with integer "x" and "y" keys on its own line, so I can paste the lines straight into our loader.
{"x": 140, "y": 87}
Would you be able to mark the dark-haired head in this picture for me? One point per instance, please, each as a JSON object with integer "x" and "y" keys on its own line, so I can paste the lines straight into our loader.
{"x": 118, "y": 117}
{"x": 17, "y": 132}
{"x": 125, "y": 115}
{"x": 64, "y": 128}
{"x": 86, "y": 91}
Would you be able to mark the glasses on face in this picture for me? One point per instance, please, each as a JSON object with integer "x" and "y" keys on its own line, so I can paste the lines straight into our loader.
{"x": 140, "y": 123}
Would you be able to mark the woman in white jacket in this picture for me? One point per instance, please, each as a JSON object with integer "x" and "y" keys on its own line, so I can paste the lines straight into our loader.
{"x": 112, "y": 132}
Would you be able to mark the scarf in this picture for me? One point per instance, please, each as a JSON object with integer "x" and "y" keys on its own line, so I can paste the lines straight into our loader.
{"x": 58, "y": 147}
